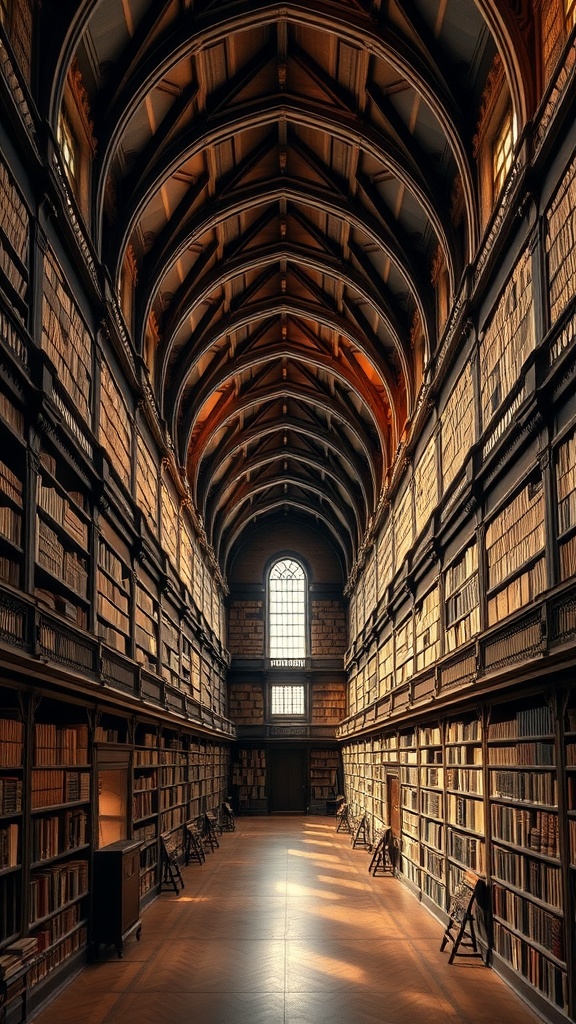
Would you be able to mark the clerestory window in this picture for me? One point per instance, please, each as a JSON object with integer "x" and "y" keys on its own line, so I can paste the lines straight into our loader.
{"x": 287, "y": 614}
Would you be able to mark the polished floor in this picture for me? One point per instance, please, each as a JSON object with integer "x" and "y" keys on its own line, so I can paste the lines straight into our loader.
{"x": 284, "y": 925}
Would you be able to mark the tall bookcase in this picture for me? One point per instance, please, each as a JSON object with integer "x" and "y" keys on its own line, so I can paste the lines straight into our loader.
{"x": 12, "y": 495}
{"x": 113, "y": 592}
{"x": 464, "y": 783}
{"x": 173, "y": 779}
{"x": 324, "y": 779}
{"x": 145, "y": 806}
{"x": 528, "y": 896}
{"x": 62, "y": 540}
{"x": 11, "y": 820}
{"x": 432, "y": 827}
{"x": 249, "y": 779}
{"x": 409, "y": 806}
{"x": 59, "y": 837}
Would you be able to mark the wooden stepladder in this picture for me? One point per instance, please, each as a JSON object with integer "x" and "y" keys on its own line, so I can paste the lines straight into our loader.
{"x": 360, "y": 833}
{"x": 171, "y": 851}
{"x": 383, "y": 852}
{"x": 460, "y": 930}
{"x": 342, "y": 818}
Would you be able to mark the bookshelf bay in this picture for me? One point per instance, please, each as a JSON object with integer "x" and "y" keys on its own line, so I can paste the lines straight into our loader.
{"x": 54, "y": 758}
{"x": 489, "y": 790}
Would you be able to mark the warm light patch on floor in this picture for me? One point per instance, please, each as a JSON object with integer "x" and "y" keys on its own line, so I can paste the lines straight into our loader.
{"x": 341, "y": 969}
{"x": 333, "y": 880}
{"x": 293, "y": 889}
{"x": 313, "y": 856}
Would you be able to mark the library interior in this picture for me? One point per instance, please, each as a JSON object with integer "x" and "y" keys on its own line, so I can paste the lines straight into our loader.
{"x": 287, "y": 511}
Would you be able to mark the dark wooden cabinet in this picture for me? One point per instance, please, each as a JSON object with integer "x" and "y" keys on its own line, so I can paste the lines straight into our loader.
{"x": 116, "y": 893}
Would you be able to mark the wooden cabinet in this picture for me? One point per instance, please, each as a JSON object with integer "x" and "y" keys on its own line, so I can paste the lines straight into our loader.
{"x": 116, "y": 893}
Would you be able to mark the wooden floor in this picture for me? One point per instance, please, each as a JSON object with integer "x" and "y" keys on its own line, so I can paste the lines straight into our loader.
{"x": 284, "y": 925}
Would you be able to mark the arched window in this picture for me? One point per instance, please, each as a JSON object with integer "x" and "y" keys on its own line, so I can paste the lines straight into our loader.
{"x": 287, "y": 611}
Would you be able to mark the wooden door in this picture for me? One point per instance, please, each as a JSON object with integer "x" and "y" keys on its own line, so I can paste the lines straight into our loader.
{"x": 287, "y": 780}
{"x": 393, "y": 804}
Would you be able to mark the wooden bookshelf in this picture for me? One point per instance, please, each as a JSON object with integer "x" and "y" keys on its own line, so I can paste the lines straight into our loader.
{"x": 66, "y": 339}
{"x": 147, "y": 483}
{"x": 170, "y": 523}
{"x": 432, "y": 810}
{"x": 145, "y": 806}
{"x": 115, "y": 426}
{"x": 462, "y": 599}
{"x": 171, "y": 647}
{"x": 457, "y": 433}
{"x": 425, "y": 485}
{"x": 249, "y": 779}
{"x": 12, "y": 493}
{"x": 515, "y": 540}
{"x": 409, "y": 807}
{"x": 529, "y": 927}
{"x": 566, "y": 492}
{"x": 427, "y": 629}
{"x": 561, "y": 246}
{"x": 61, "y": 794}
{"x": 146, "y": 625}
{"x": 113, "y": 591}
{"x": 464, "y": 788}
{"x": 323, "y": 779}
{"x": 328, "y": 703}
{"x": 14, "y": 241}
{"x": 174, "y": 795}
{"x": 62, "y": 540}
{"x": 403, "y": 527}
{"x": 404, "y": 651}
{"x": 11, "y": 821}
{"x": 507, "y": 340}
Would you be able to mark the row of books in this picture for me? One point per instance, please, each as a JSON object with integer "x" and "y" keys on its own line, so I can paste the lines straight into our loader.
{"x": 52, "y": 888}
{"x": 11, "y": 742}
{"x": 58, "y": 833}
{"x": 10, "y": 524}
{"x": 531, "y": 787}
{"x": 54, "y": 744}
{"x": 56, "y": 955}
{"x": 534, "y": 830}
{"x": 469, "y": 850}
{"x": 10, "y": 794}
{"x": 536, "y": 721}
{"x": 465, "y": 811}
{"x": 51, "y": 787}
{"x": 467, "y": 780}
{"x": 543, "y": 927}
{"x": 538, "y": 752}
{"x": 9, "y": 846}
{"x": 17, "y": 956}
{"x": 58, "y": 926}
{"x": 537, "y": 877}
{"x": 540, "y": 971}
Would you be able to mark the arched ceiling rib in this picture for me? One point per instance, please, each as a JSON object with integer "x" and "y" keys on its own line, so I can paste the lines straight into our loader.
{"x": 286, "y": 176}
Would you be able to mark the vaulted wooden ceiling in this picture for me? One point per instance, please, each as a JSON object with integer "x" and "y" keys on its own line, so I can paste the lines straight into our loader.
{"x": 285, "y": 176}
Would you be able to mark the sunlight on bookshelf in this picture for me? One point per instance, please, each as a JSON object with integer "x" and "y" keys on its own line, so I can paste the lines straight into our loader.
{"x": 508, "y": 339}
{"x": 527, "y": 894}
{"x": 462, "y": 598}
{"x": 457, "y": 427}
{"x": 515, "y": 551}
{"x": 561, "y": 244}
